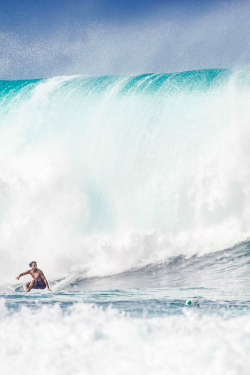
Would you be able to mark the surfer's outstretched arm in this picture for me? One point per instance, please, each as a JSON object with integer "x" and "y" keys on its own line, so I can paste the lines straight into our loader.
{"x": 45, "y": 281}
{"x": 22, "y": 274}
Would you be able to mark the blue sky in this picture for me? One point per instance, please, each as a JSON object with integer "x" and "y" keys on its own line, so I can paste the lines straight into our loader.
{"x": 44, "y": 38}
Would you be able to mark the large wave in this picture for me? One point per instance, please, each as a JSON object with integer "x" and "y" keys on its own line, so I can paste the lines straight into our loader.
{"x": 102, "y": 174}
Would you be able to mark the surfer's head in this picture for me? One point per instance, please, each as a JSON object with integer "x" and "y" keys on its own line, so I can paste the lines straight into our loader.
{"x": 33, "y": 265}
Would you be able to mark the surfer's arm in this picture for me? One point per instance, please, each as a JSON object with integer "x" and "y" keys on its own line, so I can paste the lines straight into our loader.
{"x": 45, "y": 281}
{"x": 22, "y": 274}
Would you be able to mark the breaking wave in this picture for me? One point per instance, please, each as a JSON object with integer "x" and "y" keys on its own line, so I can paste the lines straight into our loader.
{"x": 99, "y": 175}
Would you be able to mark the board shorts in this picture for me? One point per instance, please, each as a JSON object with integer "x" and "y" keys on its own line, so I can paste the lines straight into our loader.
{"x": 39, "y": 284}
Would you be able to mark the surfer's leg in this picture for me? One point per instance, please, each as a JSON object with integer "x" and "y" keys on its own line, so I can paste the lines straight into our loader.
{"x": 27, "y": 284}
{"x": 30, "y": 285}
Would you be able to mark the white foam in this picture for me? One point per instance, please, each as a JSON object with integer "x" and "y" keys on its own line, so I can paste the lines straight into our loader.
{"x": 88, "y": 340}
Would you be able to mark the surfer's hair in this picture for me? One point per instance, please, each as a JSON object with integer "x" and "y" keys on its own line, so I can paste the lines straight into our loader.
{"x": 30, "y": 264}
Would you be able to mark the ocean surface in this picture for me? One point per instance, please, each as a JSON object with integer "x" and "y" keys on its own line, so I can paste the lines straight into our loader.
{"x": 132, "y": 193}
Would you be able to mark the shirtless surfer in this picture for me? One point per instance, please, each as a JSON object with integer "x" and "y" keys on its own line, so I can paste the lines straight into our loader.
{"x": 39, "y": 281}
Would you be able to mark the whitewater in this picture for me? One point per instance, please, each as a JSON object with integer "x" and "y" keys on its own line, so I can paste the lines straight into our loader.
{"x": 132, "y": 193}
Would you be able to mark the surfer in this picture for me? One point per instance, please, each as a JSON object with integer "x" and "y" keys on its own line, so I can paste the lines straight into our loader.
{"x": 39, "y": 281}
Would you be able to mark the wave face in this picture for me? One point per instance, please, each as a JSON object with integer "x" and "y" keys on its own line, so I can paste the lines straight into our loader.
{"x": 103, "y": 174}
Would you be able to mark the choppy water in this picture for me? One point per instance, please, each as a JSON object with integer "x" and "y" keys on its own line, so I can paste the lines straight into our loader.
{"x": 133, "y": 195}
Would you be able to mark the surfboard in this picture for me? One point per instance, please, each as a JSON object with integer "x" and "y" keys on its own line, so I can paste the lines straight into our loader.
{"x": 20, "y": 289}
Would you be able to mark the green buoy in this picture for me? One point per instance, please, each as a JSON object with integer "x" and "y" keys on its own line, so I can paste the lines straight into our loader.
{"x": 189, "y": 302}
